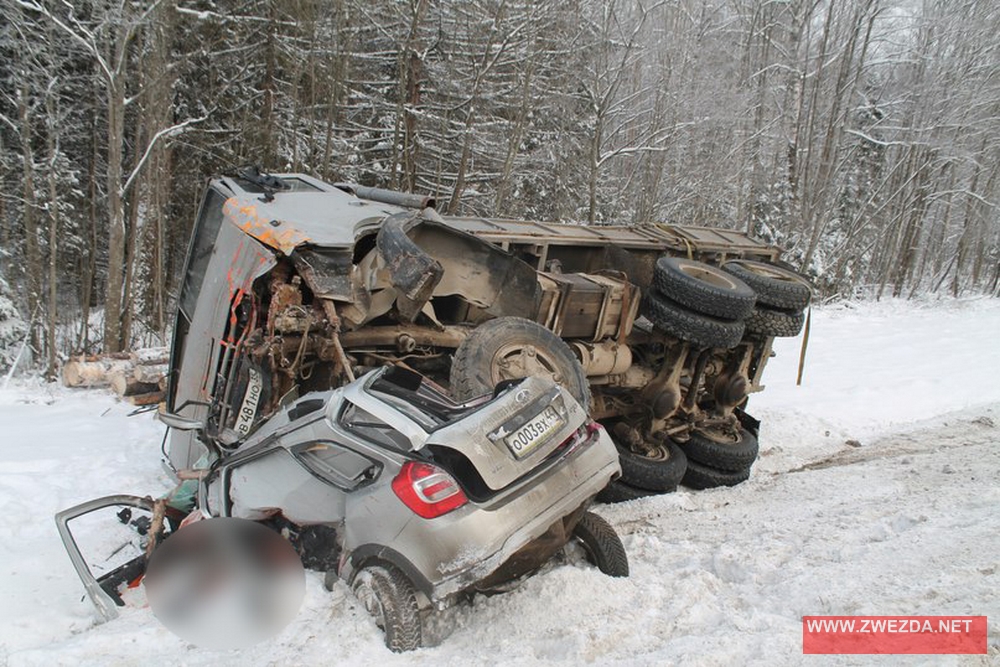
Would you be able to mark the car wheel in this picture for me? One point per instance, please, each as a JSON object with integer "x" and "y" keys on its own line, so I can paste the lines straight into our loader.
{"x": 620, "y": 492}
{"x": 680, "y": 322}
{"x": 602, "y": 545}
{"x": 768, "y": 322}
{"x": 721, "y": 450}
{"x": 775, "y": 287}
{"x": 703, "y": 288}
{"x": 659, "y": 471}
{"x": 508, "y": 348}
{"x": 700, "y": 476}
{"x": 391, "y": 600}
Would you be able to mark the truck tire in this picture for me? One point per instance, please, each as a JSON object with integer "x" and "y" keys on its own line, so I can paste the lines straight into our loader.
{"x": 703, "y": 288}
{"x": 659, "y": 473}
{"x": 508, "y": 348}
{"x": 775, "y": 287}
{"x": 601, "y": 543}
{"x": 700, "y": 476}
{"x": 769, "y": 322}
{"x": 732, "y": 454}
{"x": 700, "y": 330}
{"x": 620, "y": 492}
{"x": 391, "y": 600}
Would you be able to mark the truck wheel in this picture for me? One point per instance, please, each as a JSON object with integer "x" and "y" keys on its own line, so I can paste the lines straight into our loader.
{"x": 620, "y": 492}
{"x": 722, "y": 451}
{"x": 701, "y": 330}
{"x": 602, "y": 545}
{"x": 769, "y": 322}
{"x": 660, "y": 472}
{"x": 391, "y": 600}
{"x": 508, "y": 348}
{"x": 775, "y": 287}
{"x": 703, "y": 288}
{"x": 700, "y": 476}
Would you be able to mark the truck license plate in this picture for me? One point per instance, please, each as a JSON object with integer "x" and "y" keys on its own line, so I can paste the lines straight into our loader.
{"x": 535, "y": 432}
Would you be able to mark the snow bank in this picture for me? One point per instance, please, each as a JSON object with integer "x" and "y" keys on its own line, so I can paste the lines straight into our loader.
{"x": 902, "y": 521}
{"x": 875, "y": 367}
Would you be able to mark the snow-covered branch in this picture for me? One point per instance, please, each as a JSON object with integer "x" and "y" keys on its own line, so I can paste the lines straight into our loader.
{"x": 75, "y": 30}
{"x": 162, "y": 134}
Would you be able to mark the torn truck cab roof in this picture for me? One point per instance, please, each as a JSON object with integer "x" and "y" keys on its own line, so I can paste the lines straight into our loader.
{"x": 308, "y": 212}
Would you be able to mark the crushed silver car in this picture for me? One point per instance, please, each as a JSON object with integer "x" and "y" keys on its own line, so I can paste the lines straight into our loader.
{"x": 411, "y": 498}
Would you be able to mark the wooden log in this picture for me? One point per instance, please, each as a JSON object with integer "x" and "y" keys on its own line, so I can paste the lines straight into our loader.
{"x": 149, "y": 373}
{"x": 125, "y": 385}
{"x": 94, "y": 373}
{"x": 146, "y": 399}
{"x": 150, "y": 356}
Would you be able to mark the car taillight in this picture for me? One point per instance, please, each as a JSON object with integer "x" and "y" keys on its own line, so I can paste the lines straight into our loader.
{"x": 584, "y": 434}
{"x": 427, "y": 490}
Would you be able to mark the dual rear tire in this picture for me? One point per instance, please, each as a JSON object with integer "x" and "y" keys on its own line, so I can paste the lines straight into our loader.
{"x": 698, "y": 303}
{"x": 714, "y": 307}
{"x": 782, "y": 297}
{"x": 707, "y": 460}
{"x": 719, "y": 459}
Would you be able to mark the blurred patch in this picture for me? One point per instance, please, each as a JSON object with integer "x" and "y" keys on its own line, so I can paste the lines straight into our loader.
{"x": 225, "y": 583}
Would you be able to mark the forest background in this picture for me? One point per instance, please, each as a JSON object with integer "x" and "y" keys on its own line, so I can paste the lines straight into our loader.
{"x": 861, "y": 135}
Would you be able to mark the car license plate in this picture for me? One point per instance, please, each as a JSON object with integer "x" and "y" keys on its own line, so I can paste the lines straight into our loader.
{"x": 535, "y": 432}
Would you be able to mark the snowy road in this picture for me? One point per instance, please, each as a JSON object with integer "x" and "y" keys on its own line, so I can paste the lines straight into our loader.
{"x": 904, "y": 519}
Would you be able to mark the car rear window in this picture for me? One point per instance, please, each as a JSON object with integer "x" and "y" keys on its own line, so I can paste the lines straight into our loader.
{"x": 368, "y": 426}
{"x": 337, "y": 464}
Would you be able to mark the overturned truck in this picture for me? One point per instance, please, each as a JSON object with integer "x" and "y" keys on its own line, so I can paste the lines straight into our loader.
{"x": 294, "y": 285}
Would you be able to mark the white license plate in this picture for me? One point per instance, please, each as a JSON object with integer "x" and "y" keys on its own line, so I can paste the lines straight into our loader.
{"x": 535, "y": 432}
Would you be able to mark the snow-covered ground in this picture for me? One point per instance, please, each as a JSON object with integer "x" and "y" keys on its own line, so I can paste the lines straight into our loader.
{"x": 876, "y": 493}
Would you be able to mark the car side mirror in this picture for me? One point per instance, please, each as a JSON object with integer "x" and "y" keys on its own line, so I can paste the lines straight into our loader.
{"x": 181, "y": 423}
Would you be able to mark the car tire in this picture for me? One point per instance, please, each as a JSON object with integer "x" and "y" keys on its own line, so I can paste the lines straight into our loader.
{"x": 703, "y": 288}
{"x": 722, "y": 453}
{"x": 696, "y": 328}
{"x": 620, "y": 492}
{"x": 769, "y": 322}
{"x": 700, "y": 476}
{"x": 478, "y": 364}
{"x": 602, "y": 545}
{"x": 659, "y": 473}
{"x": 775, "y": 287}
{"x": 391, "y": 600}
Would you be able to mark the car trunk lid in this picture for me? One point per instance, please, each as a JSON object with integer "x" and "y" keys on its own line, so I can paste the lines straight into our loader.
{"x": 514, "y": 433}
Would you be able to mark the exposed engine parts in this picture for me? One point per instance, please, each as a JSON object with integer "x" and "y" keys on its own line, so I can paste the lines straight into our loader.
{"x": 656, "y": 329}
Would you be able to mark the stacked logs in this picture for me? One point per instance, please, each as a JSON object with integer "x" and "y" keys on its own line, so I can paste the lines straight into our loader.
{"x": 140, "y": 377}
